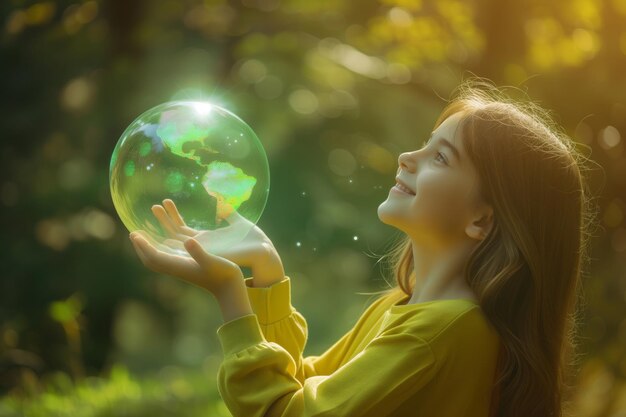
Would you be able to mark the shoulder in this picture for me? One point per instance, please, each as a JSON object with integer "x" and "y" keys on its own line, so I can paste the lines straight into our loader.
{"x": 382, "y": 301}
{"x": 432, "y": 321}
{"x": 445, "y": 321}
{"x": 457, "y": 318}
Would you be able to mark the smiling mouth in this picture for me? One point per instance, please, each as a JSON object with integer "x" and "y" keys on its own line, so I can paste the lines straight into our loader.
{"x": 401, "y": 188}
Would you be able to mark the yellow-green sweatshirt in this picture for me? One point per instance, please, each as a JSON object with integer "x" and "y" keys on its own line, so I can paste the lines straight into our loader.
{"x": 431, "y": 359}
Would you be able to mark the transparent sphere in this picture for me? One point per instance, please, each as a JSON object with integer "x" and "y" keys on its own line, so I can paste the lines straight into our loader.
{"x": 202, "y": 157}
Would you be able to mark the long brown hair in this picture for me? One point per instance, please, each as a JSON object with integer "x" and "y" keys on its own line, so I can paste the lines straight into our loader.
{"x": 527, "y": 271}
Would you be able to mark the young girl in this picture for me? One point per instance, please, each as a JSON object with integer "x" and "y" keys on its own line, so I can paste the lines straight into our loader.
{"x": 482, "y": 320}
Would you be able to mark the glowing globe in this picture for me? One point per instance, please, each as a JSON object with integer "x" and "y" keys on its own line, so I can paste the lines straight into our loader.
{"x": 203, "y": 158}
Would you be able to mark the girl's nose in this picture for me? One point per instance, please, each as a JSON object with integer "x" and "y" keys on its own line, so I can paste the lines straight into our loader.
{"x": 406, "y": 161}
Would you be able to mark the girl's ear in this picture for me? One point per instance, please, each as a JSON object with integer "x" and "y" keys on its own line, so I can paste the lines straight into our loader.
{"x": 481, "y": 224}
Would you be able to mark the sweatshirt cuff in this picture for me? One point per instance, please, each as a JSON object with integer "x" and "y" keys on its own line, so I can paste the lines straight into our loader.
{"x": 239, "y": 334}
{"x": 272, "y": 303}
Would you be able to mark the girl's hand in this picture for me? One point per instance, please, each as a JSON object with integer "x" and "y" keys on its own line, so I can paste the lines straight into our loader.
{"x": 255, "y": 251}
{"x": 203, "y": 269}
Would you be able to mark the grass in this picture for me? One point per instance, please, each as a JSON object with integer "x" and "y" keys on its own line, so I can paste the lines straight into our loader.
{"x": 183, "y": 394}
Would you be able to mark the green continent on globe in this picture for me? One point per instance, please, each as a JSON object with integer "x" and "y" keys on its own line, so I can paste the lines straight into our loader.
{"x": 229, "y": 184}
{"x": 176, "y": 129}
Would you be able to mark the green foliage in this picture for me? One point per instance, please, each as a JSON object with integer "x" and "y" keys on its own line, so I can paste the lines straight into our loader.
{"x": 66, "y": 311}
{"x": 120, "y": 395}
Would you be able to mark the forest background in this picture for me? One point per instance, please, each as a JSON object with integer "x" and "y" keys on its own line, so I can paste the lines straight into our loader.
{"x": 335, "y": 90}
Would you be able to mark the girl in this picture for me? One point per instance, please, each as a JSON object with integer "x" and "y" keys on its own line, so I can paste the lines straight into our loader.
{"x": 482, "y": 319}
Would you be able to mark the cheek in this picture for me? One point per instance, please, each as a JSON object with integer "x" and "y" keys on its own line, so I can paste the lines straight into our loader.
{"x": 440, "y": 200}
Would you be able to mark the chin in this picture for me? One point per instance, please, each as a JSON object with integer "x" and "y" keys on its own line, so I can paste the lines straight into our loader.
{"x": 380, "y": 211}
{"x": 384, "y": 214}
{"x": 390, "y": 216}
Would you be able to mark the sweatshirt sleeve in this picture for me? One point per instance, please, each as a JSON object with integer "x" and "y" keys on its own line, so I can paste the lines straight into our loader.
{"x": 258, "y": 377}
{"x": 282, "y": 324}
{"x": 278, "y": 320}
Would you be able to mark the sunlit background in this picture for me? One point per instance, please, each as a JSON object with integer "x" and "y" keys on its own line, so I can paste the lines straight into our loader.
{"x": 335, "y": 90}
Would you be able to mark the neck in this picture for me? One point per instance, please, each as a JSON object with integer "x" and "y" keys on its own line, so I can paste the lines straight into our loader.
{"x": 439, "y": 274}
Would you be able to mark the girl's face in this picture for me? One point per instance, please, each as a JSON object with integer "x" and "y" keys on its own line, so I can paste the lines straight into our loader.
{"x": 444, "y": 187}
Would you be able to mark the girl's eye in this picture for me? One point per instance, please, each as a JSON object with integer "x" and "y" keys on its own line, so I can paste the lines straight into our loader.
{"x": 440, "y": 156}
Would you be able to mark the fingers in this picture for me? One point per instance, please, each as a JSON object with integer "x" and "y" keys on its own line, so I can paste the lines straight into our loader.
{"x": 171, "y": 209}
{"x": 173, "y": 243}
{"x": 189, "y": 231}
{"x": 218, "y": 268}
{"x": 195, "y": 250}
{"x": 202, "y": 269}
{"x": 176, "y": 219}
{"x": 170, "y": 228}
{"x": 156, "y": 260}
{"x": 206, "y": 260}
{"x": 165, "y": 246}
{"x": 145, "y": 250}
{"x": 138, "y": 249}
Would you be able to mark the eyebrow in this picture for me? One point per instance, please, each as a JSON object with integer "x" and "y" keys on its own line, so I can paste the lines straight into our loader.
{"x": 447, "y": 144}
